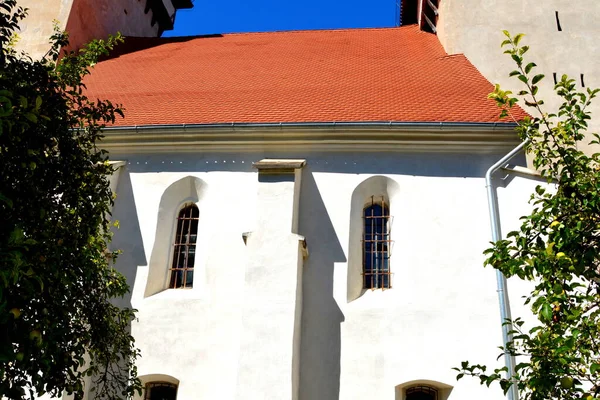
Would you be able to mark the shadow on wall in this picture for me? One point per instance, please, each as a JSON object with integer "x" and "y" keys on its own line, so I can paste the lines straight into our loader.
{"x": 373, "y": 163}
{"x": 128, "y": 237}
{"x": 320, "y": 347}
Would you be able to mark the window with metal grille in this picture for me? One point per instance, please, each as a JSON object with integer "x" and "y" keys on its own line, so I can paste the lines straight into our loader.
{"x": 160, "y": 391}
{"x": 429, "y": 15}
{"x": 421, "y": 393}
{"x": 184, "y": 248}
{"x": 376, "y": 245}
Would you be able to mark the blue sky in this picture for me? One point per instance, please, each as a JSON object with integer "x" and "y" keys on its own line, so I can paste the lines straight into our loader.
{"x": 226, "y": 16}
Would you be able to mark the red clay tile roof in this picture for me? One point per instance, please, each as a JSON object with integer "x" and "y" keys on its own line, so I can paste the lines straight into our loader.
{"x": 393, "y": 74}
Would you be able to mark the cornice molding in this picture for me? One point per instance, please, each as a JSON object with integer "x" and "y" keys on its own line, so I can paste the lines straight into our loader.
{"x": 430, "y": 137}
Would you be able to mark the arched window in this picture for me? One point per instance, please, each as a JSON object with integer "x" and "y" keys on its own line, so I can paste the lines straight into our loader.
{"x": 376, "y": 245}
{"x": 421, "y": 393}
{"x": 160, "y": 391}
{"x": 184, "y": 248}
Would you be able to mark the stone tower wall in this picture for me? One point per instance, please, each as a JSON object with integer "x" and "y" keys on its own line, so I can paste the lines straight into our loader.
{"x": 474, "y": 27}
{"x": 89, "y": 19}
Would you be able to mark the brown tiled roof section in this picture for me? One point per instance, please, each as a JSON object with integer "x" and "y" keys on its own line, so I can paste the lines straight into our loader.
{"x": 393, "y": 74}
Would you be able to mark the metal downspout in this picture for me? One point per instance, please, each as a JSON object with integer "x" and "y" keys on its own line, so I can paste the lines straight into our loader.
{"x": 513, "y": 393}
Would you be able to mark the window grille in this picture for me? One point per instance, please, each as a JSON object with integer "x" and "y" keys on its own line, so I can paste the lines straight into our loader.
{"x": 160, "y": 391}
{"x": 184, "y": 248}
{"x": 429, "y": 15}
{"x": 376, "y": 245}
{"x": 421, "y": 393}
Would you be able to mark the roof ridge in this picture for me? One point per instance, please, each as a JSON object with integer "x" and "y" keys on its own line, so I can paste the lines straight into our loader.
{"x": 387, "y": 28}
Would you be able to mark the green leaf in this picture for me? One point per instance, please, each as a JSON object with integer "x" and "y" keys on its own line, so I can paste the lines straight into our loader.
{"x": 23, "y": 101}
{"x": 5, "y": 106}
{"x": 6, "y": 200}
{"x": 38, "y": 102}
{"x": 529, "y": 67}
{"x": 518, "y": 59}
{"x": 546, "y": 312}
{"x": 518, "y": 38}
{"x": 31, "y": 117}
{"x": 537, "y": 78}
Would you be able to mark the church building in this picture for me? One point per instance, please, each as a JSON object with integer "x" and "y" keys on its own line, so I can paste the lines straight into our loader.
{"x": 303, "y": 214}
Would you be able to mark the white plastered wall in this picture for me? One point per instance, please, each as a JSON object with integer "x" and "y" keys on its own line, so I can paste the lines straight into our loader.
{"x": 442, "y": 309}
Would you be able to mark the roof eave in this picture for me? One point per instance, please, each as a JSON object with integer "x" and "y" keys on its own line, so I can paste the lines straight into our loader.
{"x": 480, "y": 137}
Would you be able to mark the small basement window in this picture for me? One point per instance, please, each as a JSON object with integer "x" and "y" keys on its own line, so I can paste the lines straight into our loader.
{"x": 160, "y": 391}
{"x": 421, "y": 393}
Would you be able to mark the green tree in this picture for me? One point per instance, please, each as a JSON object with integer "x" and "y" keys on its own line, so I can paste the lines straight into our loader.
{"x": 57, "y": 323}
{"x": 557, "y": 248}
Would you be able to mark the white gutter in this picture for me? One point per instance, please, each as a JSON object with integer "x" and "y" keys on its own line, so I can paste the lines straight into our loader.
{"x": 513, "y": 393}
{"x": 440, "y": 124}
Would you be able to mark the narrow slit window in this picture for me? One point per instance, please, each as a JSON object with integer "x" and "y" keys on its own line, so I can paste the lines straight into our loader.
{"x": 408, "y": 12}
{"x": 429, "y": 15}
{"x": 421, "y": 393}
{"x": 582, "y": 81}
{"x": 184, "y": 248}
{"x": 160, "y": 391}
{"x": 557, "y": 21}
{"x": 376, "y": 245}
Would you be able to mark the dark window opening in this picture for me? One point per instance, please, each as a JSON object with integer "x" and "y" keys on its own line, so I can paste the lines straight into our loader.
{"x": 184, "y": 248}
{"x": 125, "y": 11}
{"x": 409, "y": 12}
{"x": 429, "y": 15}
{"x": 554, "y": 76}
{"x": 557, "y": 21}
{"x": 582, "y": 81}
{"x": 421, "y": 393}
{"x": 376, "y": 246}
{"x": 160, "y": 391}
